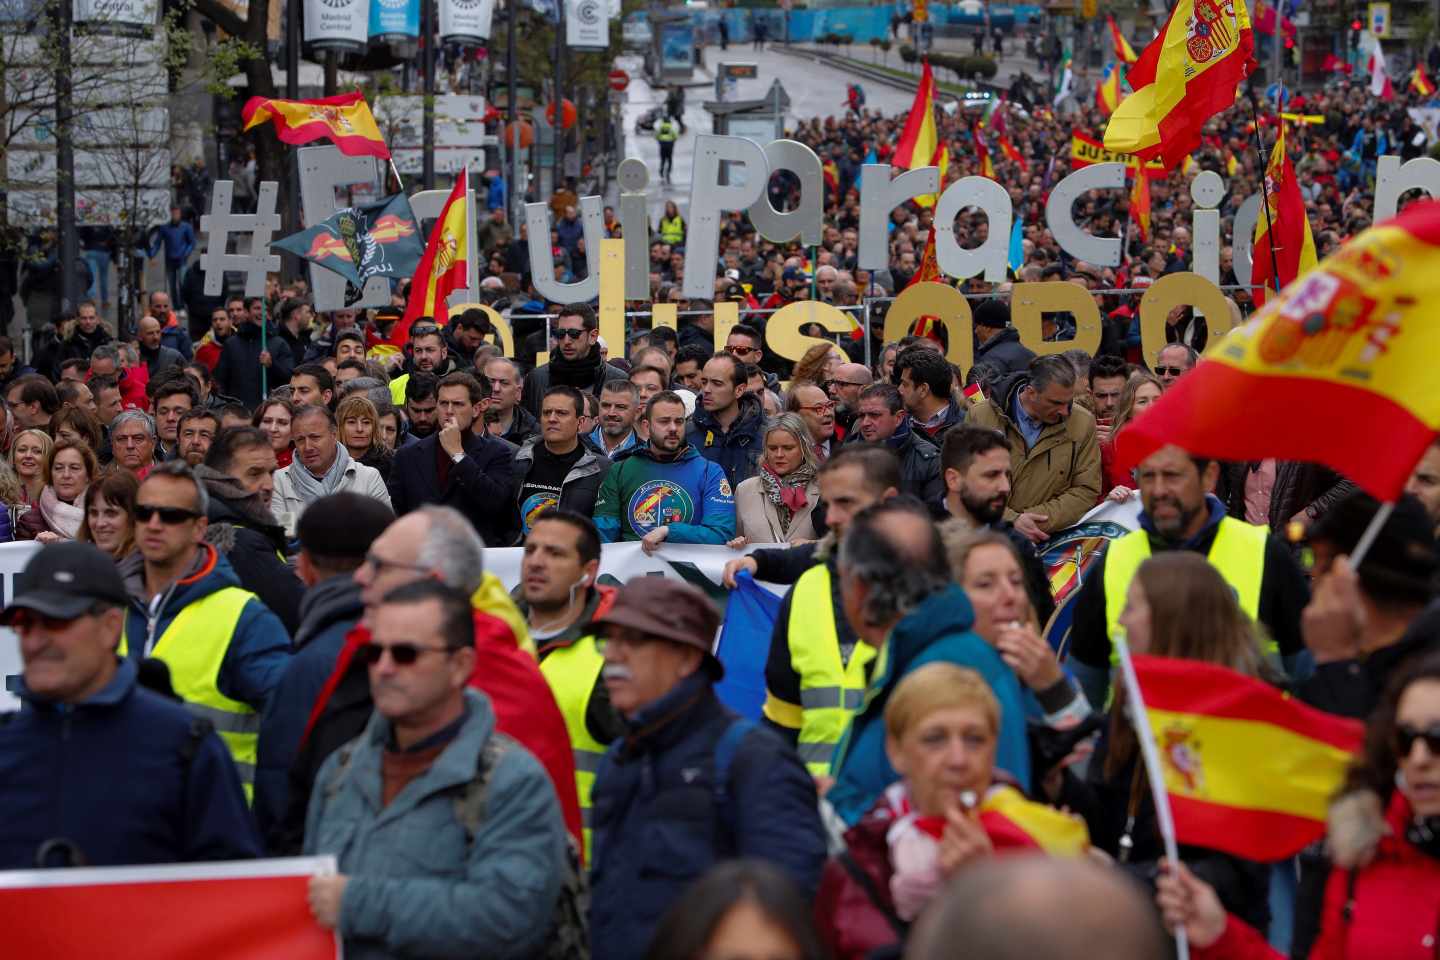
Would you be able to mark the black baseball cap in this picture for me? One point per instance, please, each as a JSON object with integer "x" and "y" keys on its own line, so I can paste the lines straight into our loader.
{"x": 66, "y": 580}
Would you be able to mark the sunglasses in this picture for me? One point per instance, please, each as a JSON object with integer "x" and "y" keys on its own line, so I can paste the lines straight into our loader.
{"x": 170, "y": 516}
{"x": 1169, "y": 371}
{"x": 1405, "y": 737}
{"x": 403, "y": 654}
{"x": 569, "y": 333}
{"x": 30, "y": 619}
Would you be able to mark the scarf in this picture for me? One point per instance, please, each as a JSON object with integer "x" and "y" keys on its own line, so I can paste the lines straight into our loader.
{"x": 310, "y": 487}
{"x": 914, "y": 845}
{"x": 580, "y": 373}
{"x": 64, "y": 518}
{"x": 787, "y": 492}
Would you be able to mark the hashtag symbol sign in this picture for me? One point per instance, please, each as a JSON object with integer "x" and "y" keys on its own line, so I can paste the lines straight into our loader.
{"x": 220, "y": 223}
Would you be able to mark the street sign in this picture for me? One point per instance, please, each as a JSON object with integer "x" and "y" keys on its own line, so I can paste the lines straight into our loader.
{"x": 619, "y": 80}
{"x": 740, "y": 71}
{"x": 1379, "y": 20}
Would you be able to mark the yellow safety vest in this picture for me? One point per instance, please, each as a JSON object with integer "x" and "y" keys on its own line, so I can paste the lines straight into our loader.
{"x": 571, "y": 672}
{"x": 830, "y": 691}
{"x": 666, "y": 132}
{"x": 672, "y": 230}
{"x": 194, "y": 647}
{"x": 1238, "y": 552}
{"x": 397, "y": 389}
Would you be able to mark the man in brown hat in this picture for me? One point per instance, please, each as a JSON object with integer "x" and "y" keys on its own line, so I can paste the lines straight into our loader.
{"x": 690, "y": 784}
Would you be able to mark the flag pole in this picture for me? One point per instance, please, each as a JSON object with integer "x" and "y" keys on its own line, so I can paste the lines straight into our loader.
{"x": 1367, "y": 539}
{"x": 472, "y": 279}
{"x": 264, "y": 370}
{"x": 399, "y": 181}
{"x": 1265, "y": 193}
{"x": 1145, "y": 734}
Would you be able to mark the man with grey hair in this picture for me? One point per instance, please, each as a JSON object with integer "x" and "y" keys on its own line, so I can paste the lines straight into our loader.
{"x": 1003, "y": 908}
{"x": 1173, "y": 361}
{"x": 132, "y": 438}
{"x": 898, "y": 596}
{"x": 1056, "y": 456}
{"x": 439, "y": 543}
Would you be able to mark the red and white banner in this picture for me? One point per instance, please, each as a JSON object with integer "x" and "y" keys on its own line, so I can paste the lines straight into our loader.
{"x": 235, "y": 910}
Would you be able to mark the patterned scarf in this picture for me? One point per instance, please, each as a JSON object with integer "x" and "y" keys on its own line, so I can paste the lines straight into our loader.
{"x": 787, "y": 492}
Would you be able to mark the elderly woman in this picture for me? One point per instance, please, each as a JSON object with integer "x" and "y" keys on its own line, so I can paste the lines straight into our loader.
{"x": 775, "y": 505}
{"x": 27, "y": 456}
{"x": 273, "y": 417}
{"x": 1383, "y": 892}
{"x": 941, "y": 726}
{"x": 359, "y": 431}
{"x": 68, "y": 471}
{"x": 110, "y": 513}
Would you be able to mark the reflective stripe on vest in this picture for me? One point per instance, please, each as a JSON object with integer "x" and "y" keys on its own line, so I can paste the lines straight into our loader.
{"x": 830, "y": 691}
{"x": 571, "y": 672}
{"x": 193, "y": 647}
{"x": 1238, "y": 552}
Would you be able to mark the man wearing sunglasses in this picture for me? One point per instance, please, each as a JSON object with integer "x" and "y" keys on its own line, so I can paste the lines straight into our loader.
{"x": 575, "y": 359}
{"x": 449, "y": 838}
{"x": 69, "y": 758}
{"x": 224, "y": 648}
{"x": 1173, "y": 362}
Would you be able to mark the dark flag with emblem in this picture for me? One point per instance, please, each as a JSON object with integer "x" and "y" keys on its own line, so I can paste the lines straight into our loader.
{"x": 373, "y": 240}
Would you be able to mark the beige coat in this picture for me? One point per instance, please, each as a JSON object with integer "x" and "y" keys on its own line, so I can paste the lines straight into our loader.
{"x": 757, "y": 521}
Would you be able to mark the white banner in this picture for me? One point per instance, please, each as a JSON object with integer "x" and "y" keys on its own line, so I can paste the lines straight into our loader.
{"x": 587, "y": 24}
{"x": 466, "y": 21}
{"x": 337, "y": 24}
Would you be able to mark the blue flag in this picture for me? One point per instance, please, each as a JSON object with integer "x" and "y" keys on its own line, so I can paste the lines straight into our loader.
{"x": 745, "y": 646}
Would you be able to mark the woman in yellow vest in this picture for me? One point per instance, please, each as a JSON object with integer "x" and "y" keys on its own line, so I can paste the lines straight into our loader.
{"x": 672, "y": 225}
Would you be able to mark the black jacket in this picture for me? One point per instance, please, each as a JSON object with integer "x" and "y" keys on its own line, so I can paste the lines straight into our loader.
{"x": 80, "y": 346}
{"x": 537, "y": 381}
{"x": 523, "y": 426}
{"x": 1352, "y": 688}
{"x": 954, "y": 416}
{"x": 238, "y": 372}
{"x": 736, "y": 450}
{"x": 1005, "y": 350}
{"x": 785, "y": 564}
{"x": 920, "y": 473}
{"x": 244, "y": 531}
{"x": 580, "y": 487}
{"x": 481, "y": 485}
{"x": 161, "y": 360}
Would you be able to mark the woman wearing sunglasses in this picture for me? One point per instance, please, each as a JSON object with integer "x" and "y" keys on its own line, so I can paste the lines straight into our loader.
{"x": 1382, "y": 896}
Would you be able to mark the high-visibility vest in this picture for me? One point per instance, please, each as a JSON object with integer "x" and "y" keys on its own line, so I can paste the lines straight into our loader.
{"x": 571, "y": 672}
{"x": 672, "y": 230}
{"x": 666, "y": 132}
{"x": 397, "y": 389}
{"x": 193, "y": 647}
{"x": 830, "y": 691}
{"x": 1238, "y": 552}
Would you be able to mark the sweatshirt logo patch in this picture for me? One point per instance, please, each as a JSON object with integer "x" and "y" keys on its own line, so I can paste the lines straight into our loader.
{"x": 658, "y": 503}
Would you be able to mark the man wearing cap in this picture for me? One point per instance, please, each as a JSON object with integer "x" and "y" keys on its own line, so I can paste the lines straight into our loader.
{"x": 691, "y": 784}
{"x": 998, "y": 343}
{"x": 97, "y": 770}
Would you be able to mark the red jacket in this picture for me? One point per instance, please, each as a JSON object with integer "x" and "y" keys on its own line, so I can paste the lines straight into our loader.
{"x": 525, "y": 708}
{"x": 1396, "y": 902}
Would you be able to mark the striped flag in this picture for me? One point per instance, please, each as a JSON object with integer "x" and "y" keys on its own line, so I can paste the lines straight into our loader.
{"x": 443, "y": 267}
{"x": 1420, "y": 81}
{"x": 1284, "y": 224}
{"x": 1107, "y": 94}
{"x": 1380, "y": 85}
{"x": 982, "y": 152}
{"x": 344, "y": 120}
{"x": 1123, "y": 51}
{"x": 1012, "y": 154}
{"x": 1140, "y": 206}
{"x": 919, "y": 139}
{"x": 929, "y": 270}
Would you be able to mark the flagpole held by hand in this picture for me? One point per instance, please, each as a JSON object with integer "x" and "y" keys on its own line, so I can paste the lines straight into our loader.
{"x": 1265, "y": 193}
{"x": 1367, "y": 539}
{"x": 1140, "y": 720}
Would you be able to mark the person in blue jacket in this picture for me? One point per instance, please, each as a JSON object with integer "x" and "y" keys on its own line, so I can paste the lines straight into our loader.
{"x": 177, "y": 240}
{"x": 335, "y": 535}
{"x": 728, "y": 426}
{"x": 96, "y": 770}
{"x": 896, "y": 589}
{"x": 665, "y": 490}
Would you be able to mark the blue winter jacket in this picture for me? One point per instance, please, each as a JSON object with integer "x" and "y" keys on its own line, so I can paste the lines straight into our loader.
{"x": 330, "y": 610}
{"x": 123, "y": 777}
{"x": 259, "y": 648}
{"x": 937, "y": 630}
{"x": 656, "y": 826}
{"x": 738, "y": 449}
{"x": 177, "y": 240}
{"x": 419, "y": 887}
{"x": 689, "y": 494}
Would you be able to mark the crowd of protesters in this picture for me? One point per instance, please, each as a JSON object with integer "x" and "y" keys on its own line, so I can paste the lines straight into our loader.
{"x": 263, "y": 584}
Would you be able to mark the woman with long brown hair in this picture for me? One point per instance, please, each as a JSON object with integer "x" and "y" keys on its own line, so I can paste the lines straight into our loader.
{"x": 1142, "y": 389}
{"x": 110, "y": 513}
{"x": 818, "y": 364}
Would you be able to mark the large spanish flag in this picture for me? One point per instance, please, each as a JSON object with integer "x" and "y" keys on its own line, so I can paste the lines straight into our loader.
{"x": 442, "y": 268}
{"x": 345, "y": 120}
{"x": 1349, "y": 346}
{"x": 1123, "y": 51}
{"x": 919, "y": 139}
{"x": 1284, "y": 224}
{"x": 1183, "y": 78}
{"x": 1250, "y": 771}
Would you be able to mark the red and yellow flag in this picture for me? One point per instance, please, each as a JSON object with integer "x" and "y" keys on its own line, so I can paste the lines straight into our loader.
{"x": 442, "y": 269}
{"x": 1420, "y": 81}
{"x": 1123, "y": 51}
{"x": 1107, "y": 94}
{"x": 1013, "y": 822}
{"x": 1140, "y": 206}
{"x": 1355, "y": 337}
{"x": 1013, "y": 154}
{"x": 919, "y": 140}
{"x": 1184, "y": 77}
{"x": 345, "y": 120}
{"x": 1250, "y": 771}
{"x": 929, "y": 269}
{"x": 982, "y": 154}
{"x": 1283, "y": 224}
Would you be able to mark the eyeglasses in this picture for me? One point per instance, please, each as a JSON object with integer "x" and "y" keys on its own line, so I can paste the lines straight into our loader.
{"x": 1405, "y": 737}
{"x": 1169, "y": 371}
{"x": 380, "y": 563}
{"x": 170, "y": 516}
{"x": 403, "y": 654}
{"x": 845, "y": 383}
{"x": 819, "y": 407}
{"x": 569, "y": 333}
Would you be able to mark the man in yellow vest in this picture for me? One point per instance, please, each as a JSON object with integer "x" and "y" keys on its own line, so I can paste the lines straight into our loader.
{"x": 666, "y": 133}
{"x": 224, "y": 649}
{"x": 560, "y": 599}
{"x": 818, "y": 668}
{"x": 1182, "y": 513}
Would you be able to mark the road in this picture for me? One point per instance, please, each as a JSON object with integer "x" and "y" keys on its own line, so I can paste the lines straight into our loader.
{"x": 814, "y": 90}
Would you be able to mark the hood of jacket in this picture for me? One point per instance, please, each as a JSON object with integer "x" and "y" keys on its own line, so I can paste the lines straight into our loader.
{"x": 333, "y": 600}
{"x": 748, "y": 422}
{"x": 642, "y": 450}
{"x": 232, "y": 505}
{"x": 207, "y": 573}
{"x": 941, "y": 614}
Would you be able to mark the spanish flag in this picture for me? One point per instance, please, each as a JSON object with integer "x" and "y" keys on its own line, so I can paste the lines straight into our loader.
{"x": 345, "y": 120}
{"x": 1420, "y": 82}
{"x": 1015, "y": 823}
{"x": 1107, "y": 94}
{"x": 1140, "y": 205}
{"x": 442, "y": 269}
{"x": 1012, "y": 153}
{"x": 1123, "y": 51}
{"x": 982, "y": 154}
{"x": 929, "y": 270}
{"x": 919, "y": 139}
{"x": 1249, "y": 770}
{"x": 1184, "y": 77}
{"x": 1284, "y": 225}
{"x": 1355, "y": 337}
